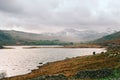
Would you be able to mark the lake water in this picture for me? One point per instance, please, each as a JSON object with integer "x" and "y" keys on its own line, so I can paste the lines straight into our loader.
{"x": 20, "y": 61}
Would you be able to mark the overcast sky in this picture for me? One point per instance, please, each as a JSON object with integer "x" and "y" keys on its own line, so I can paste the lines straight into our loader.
{"x": 56, "y": 15}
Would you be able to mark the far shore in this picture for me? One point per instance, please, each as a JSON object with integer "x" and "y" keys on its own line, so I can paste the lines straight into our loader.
{"x": 7, "y": 48}
{"x": 54, "y": 46}
{"x": 66, "y": 46}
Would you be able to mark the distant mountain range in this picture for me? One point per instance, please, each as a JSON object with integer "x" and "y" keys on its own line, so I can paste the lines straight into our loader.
{"x": 12, "y": 37}
{"x": 72, "y": 35}
{"x": 67, "y": 35}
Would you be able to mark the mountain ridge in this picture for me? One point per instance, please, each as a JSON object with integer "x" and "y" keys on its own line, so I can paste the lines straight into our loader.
{"x": 67, "y": 35}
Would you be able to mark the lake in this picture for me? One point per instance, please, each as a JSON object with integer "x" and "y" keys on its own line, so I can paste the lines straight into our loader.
{"x": 19, "y": 61}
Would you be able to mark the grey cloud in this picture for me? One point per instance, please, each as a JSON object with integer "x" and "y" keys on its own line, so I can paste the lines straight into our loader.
{"x": 9, "y": 6}
{"x": 84, "y": 14}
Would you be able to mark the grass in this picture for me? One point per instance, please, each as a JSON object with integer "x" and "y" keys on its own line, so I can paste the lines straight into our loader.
{"x": 70, "y": 67}
{"x": 114, "y": 76}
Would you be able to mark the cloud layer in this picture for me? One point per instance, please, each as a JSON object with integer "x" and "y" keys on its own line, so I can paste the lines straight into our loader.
{"x": 55, "y": 15}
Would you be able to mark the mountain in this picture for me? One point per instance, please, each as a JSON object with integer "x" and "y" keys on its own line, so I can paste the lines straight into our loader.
{"x": 109, "y": 39}
{"x": 22, "y": 38}
{"x": 6, "y": 38}
{"x": 67, "y": 35}
{"x": 19, "y": 35}
{"x": 73, "y": 35}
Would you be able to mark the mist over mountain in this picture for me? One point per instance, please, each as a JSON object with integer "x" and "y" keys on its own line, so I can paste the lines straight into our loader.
{"x": 67, "y": 35}
{"x": 75, "y": 35}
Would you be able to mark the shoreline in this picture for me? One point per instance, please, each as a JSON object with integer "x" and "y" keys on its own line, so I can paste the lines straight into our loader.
{"x": 69, "y": 46}
{"x": 56, "y": 46}
{"x": 34, "y": 70}
{"x": 69, "y": 67}
{"x": 7, "y": 48}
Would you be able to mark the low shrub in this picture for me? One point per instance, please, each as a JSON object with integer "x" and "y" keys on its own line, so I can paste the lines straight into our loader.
{"x": 94, "y": 73}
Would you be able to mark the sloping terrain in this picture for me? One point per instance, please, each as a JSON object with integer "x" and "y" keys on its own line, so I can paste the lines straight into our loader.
{"x": 6, "y": 38}
{"x": 23, "y": 38}
{"x": 109, "y": 39}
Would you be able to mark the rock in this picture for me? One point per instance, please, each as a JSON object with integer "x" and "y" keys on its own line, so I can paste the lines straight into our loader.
{"x": 53, "y": 77}
{"x": 40, "y": 63}
{"x": 2, "y": 75}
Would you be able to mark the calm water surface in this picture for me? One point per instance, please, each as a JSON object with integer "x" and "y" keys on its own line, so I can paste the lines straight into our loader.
{"x": 20, "y": 61}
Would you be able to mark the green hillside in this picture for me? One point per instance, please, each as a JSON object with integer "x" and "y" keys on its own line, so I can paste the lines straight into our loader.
{"x": 19, "y": 35}
{"x": 22, "y": 38}
{"x": 109, "y": 39}
{"x": 6, "y": 39}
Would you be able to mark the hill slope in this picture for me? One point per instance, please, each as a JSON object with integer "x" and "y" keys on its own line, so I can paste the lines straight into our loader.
{"x": 6, "y": 39}
{"x": 109, "y": 39}
{"x": 22, "y": 38}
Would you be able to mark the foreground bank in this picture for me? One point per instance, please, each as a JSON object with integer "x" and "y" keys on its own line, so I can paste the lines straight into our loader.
{"x": 70, "y": 68}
